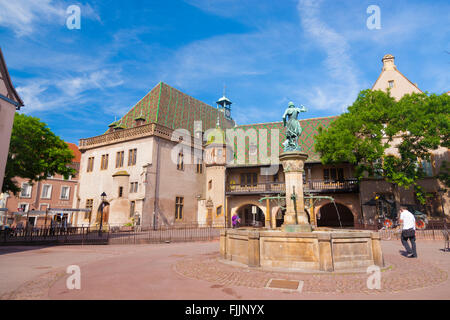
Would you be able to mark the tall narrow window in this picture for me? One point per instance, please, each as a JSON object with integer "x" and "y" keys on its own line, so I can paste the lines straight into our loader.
{"x": 104, "y": 163}
{"x": 120, "y": 192}
{"x": 333, "y": 174}
{"x": 89, "y": 205}
{"x": 90, "y": 166}
{"x": 219, "y": 211}
{"x": 180, "y": 161}
{"x": 133, "y": 187}
{"x": 132, "y": 157}
{"x": 132, "y": 208}
{"x": 179, "y": 208}
{"x": 340, "y": 172}
{"x": 427, "y": 168}
{"x": 26, "y": 190}
{"x": 119, "y": 159}
{"x": 326, "y": 174}
{"x": 199, "y": 166}
{"x": 65, "y": 191}
{"x": 46, "y": 191}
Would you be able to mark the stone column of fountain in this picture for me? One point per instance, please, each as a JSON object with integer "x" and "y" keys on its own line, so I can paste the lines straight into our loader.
{"x": 293, "y": 161}
{"x": 295, "y": 218}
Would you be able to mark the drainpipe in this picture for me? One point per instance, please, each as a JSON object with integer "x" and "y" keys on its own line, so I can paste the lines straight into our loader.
{"x": 38, "y": 191}
{"x": 155, "y": 201}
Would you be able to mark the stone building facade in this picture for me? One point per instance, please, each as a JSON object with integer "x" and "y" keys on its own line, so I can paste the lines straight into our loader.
{"x": 156, "y": 174}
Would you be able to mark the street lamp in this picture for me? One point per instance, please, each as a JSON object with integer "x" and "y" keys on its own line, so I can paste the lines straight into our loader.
{"x": 102, "y": 205}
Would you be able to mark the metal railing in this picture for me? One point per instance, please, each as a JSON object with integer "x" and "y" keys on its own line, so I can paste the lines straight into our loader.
{"x": 433, "y": 230}
{"x": 109, "y": 234}
{"x": 165, "y": 234}
{"x": 57, "y": 235}
{"x": 349, "y": 185}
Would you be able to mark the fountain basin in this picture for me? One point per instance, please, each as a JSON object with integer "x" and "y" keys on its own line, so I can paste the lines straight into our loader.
{"x": 320, "y": 250}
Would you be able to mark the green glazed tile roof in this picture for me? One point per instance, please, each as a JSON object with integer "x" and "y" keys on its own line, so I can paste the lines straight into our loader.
{"x": 174, "y": 109}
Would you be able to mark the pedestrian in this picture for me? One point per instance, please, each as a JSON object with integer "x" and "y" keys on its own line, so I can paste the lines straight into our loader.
{"x": 235, "y": 220}
{"x": 408, "y": 227}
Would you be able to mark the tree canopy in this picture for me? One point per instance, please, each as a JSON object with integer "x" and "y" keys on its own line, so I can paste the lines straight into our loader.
{"x": 376, "y": 124}
{"x": 35, "y": 152}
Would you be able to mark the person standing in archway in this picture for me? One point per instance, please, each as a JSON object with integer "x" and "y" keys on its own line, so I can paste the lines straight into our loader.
{"x": 235, "y": 220}
{"x": 408, "y": 226}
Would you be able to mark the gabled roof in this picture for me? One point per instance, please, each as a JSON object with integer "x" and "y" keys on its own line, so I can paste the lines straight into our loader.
{"x": 174, "y": 109}
{"x": 12, "y": 96}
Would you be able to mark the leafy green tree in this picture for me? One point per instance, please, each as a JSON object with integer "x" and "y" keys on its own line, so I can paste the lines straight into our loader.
{"x": 415, "y": 125}
{"x": 35, "y": 152}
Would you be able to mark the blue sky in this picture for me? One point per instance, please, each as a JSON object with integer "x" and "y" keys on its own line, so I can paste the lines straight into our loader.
{"x": 267, "y": 53}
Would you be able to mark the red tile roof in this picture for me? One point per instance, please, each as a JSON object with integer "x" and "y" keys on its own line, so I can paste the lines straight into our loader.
{"x": 75, "y": 150}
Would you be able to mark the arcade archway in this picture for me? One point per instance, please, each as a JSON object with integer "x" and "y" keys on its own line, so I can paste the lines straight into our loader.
{"x": 279, "y": 217}
{"x": 328, "y": 216}
{"x": 248, "y": 218}
{"x": 105, "y": 213}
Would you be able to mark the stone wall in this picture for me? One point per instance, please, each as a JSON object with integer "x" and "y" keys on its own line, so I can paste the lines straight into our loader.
{"x": 313, "y": 251}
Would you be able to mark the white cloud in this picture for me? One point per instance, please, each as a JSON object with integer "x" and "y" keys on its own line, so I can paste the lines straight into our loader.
{"x": 99, "y": 79}
{"x": 342, "y": 86}
{"x": 55, "y": 93}
{"x": 238, "y": 56}
{"x": 25, "y": 16}
{"x": 22, "y": 15}
{"x": 31, "y": 93}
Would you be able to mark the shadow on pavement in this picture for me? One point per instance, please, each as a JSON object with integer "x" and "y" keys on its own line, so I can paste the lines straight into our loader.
{"x": 15, "y": 249}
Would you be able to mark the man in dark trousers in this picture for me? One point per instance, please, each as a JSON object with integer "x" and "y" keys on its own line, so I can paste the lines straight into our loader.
{"x": 408, "y": 226}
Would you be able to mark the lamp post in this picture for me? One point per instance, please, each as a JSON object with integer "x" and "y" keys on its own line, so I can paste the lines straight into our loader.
{"x": 102, "y": 205}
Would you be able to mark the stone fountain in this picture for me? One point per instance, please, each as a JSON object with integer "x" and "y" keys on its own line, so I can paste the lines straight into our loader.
{"x": 296, "y": 246}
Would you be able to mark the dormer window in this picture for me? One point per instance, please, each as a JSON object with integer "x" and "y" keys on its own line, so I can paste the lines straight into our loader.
{"x": 140, "y": 120}
{"x": 391, "y": 83}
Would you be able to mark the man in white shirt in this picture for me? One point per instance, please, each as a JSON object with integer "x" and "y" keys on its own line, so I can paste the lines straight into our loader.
{"x": 408, "y": 223}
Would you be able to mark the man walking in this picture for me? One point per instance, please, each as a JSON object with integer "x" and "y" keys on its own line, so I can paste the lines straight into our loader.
{"x": 408, "y": 226}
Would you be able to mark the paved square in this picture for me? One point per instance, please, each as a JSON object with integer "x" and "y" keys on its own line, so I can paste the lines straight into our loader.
{"x": 195, "y": 271}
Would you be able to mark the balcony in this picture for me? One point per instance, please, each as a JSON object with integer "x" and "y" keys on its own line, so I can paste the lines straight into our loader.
{"x": 265, "y": 187}
{"x": 311, "y": 186}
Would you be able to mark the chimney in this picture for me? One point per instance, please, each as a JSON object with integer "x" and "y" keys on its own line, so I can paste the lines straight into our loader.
{"x": 388, "y": 62}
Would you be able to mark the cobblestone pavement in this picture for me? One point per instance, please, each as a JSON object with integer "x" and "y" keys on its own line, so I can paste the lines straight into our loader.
{"x": 400, "y": 274}
{"x": 195, "y": 271}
